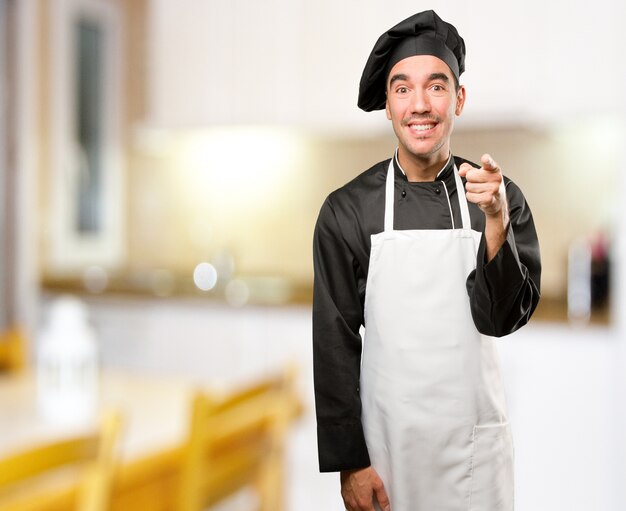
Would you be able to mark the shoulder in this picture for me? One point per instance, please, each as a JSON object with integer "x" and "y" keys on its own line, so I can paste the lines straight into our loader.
{"x": 361, "y": 187}
{"x": 351, "y": 208}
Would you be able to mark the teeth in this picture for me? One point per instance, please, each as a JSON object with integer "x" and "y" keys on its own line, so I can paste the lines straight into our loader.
{"x": 422, "y": 127}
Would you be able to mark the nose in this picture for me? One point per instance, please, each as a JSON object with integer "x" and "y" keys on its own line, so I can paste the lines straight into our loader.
{"x": 420, "y": 102}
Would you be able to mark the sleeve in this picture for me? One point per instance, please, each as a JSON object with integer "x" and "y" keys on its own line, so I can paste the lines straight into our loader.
{"x": 337, "y": 317}
{"x": 505, "y": 291}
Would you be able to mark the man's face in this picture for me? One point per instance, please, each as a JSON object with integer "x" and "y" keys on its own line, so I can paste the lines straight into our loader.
{"x": 421, "y": 105}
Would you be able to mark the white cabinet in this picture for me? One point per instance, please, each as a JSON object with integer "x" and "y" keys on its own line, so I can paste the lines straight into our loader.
{"x": 272, "y": 62}
{"x": 298, "y": 62}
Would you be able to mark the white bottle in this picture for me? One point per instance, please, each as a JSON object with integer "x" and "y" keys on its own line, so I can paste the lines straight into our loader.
{"x": 67, "y": 364}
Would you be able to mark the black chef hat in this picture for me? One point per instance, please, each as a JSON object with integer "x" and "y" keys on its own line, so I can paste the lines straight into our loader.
{"x": 424, "y": 33}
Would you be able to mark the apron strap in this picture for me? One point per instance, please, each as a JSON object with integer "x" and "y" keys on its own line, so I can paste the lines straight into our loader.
{"x": 460, "y": 191}
{"x": 389, "y": 199}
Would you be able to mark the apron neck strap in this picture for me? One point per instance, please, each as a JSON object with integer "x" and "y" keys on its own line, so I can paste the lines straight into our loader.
{"x": 390, "y": 196}
{"x": 460, "y": 191}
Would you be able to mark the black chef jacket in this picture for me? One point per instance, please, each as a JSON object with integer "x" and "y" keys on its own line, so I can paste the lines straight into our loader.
{"x": 503, "y": 293}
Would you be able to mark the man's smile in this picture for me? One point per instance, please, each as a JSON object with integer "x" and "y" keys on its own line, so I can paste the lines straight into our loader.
{"x": 423, "y": 127}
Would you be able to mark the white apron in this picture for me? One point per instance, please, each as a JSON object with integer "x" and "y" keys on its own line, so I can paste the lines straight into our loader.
{"x": 433, "y": 403}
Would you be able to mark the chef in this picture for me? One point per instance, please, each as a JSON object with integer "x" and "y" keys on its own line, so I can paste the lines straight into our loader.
{"x": 429, "y": 253}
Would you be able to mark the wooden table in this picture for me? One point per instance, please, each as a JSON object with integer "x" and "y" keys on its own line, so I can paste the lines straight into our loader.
{"x": 155, "y": 418}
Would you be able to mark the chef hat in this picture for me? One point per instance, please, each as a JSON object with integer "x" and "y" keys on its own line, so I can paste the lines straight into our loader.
{"x": 424, "y": 33}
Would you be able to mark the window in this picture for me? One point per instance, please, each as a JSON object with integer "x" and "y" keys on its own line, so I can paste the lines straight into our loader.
{"x": 86, "y": 213}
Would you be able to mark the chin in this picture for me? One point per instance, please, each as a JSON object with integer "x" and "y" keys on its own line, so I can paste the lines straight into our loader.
{"x": 423, "y": 151}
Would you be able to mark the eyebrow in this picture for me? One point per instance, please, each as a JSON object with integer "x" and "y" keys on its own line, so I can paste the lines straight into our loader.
{"x": 439, "y": 76}
{"x": 433, "y": 76}
{"x": 398, "y": 77}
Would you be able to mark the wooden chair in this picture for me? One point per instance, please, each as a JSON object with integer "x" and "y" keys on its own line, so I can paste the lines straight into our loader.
{"x": 238, "y": 442}
{"x": 12, "y": 350}
{"x": 25, "y": 477}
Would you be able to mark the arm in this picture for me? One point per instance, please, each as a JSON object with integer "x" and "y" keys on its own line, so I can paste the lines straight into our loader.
{"x": 485, "y": 187}
{"x": 337, "y": 317}
{"x": 504, "y": 288}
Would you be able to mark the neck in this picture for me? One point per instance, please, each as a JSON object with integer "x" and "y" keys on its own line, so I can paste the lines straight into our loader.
{"x": 422, "y": 169}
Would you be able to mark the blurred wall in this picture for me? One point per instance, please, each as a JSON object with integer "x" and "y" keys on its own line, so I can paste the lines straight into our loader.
{"x": 239, "y": 118}
{"x": 299, "y": 62}
{"x": 257, "y": 200}
{"x": 6, "y": 225}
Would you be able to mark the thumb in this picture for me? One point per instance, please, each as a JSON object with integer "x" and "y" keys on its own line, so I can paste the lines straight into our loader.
{"x": 464, "y": 169}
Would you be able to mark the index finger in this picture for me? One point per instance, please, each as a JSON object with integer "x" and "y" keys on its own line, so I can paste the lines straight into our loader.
{"x": 488, "y": 162}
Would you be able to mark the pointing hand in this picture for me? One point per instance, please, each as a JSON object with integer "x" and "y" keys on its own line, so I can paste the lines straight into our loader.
{"x": 485, "y": 186}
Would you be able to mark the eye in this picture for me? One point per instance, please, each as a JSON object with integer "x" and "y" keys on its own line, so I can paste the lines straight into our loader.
{"x": 402, "y": 90}
{"x": 438, "y": 89}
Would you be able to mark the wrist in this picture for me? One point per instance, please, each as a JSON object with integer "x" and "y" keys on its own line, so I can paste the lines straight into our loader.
{"x": 496, "y": 228}
{"x": 499, "y": 218}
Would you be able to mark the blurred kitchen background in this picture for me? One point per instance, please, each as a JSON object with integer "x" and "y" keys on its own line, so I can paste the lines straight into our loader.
{"x": 164, "y": 162}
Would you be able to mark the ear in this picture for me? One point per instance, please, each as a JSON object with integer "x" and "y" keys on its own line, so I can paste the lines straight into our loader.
{"x": 460, "y": 100}
{"x": 387, "y": 109}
